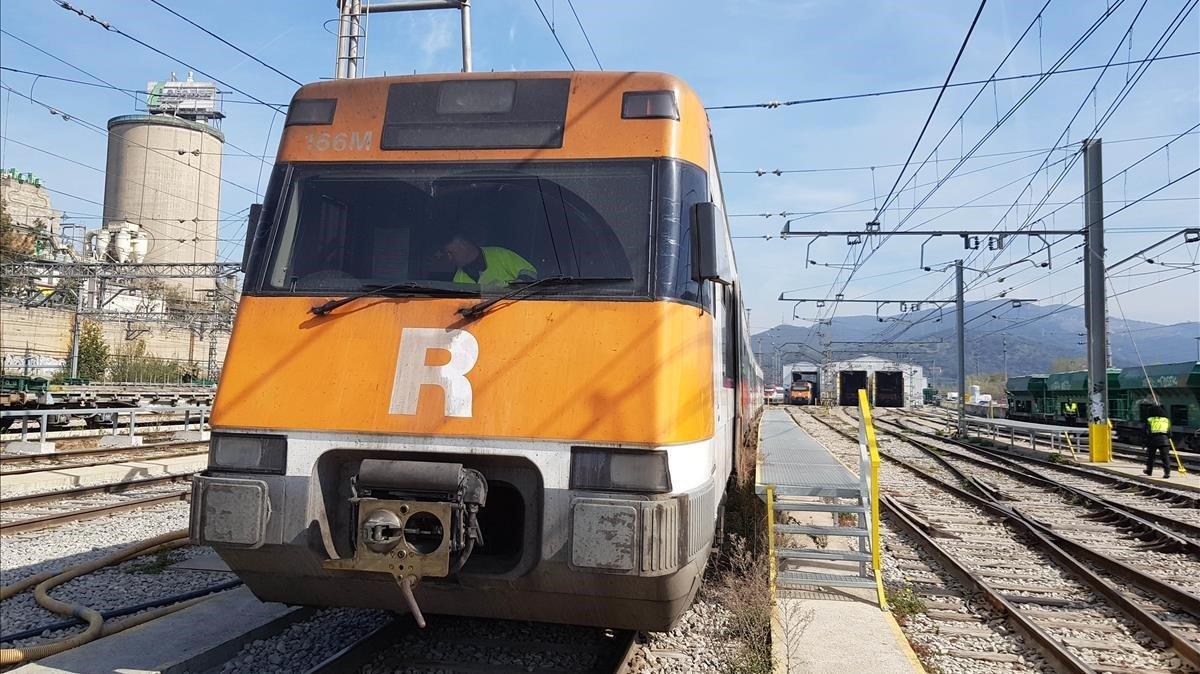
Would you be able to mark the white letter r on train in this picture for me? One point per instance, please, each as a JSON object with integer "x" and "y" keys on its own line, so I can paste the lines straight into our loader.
{"x": 412, "y": 372}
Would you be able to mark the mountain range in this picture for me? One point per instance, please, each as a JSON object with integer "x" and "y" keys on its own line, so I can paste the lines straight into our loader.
{"x": 999, "y": 338}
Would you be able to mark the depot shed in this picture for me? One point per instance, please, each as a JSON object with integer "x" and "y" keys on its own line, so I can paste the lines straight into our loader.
{"x": 888, "y": 383}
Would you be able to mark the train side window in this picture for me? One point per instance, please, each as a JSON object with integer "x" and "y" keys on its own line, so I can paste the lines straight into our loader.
{"x": 729, "y": 300}
{"x": 1179, "y": 415}
{"x": 681, "y": 186}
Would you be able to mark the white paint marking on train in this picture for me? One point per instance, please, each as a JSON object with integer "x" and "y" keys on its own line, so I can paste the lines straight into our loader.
{"x": 412, "y": 372}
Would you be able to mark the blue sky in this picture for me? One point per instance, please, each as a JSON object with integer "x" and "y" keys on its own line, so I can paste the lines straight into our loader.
{"x": 732, "y": 52}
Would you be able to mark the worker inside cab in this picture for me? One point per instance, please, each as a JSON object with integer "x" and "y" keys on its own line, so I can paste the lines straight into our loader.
{"x": 1158, "y": 440}
{"x": 491, "y": 267}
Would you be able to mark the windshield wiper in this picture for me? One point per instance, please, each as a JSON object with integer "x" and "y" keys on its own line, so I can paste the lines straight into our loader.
{"x": 476, "y": 310}
{"x": 377, "y": 288}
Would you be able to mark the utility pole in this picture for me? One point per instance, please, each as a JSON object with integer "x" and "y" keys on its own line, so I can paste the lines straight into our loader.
{"x": 960, "y": 329}
{"x": 1095, "y": 297}
{"x": 1004, "y": 350}
{"x": 75, "y": 329}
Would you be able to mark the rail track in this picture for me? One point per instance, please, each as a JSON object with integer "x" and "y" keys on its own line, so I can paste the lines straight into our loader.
{"x": 463, "y": 645}
{"x": 1079, "y": 608}
{"x": 35, "y": 512}
{"x": 18, "y": 464}
{"x": 1126, "y": 451}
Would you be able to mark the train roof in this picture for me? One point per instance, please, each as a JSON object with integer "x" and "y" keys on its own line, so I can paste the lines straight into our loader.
{"x": 504, "y": 116}
{"x": 1162, "y": 375}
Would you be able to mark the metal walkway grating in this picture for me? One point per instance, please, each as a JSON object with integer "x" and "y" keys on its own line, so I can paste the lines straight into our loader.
{"x": 797, "y": 464}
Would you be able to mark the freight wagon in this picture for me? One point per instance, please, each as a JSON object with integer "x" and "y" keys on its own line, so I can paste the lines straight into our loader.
{"x": 1048, "y": 399}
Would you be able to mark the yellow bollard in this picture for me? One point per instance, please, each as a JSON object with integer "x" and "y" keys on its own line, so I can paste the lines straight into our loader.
{"x": 1100, "y": 442}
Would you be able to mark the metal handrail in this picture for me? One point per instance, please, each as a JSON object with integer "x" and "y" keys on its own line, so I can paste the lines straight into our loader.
{"x": 116, "y": 412}
{"x": 869, "y": 466}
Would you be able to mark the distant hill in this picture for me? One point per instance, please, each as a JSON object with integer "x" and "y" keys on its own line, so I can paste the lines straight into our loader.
{"x": 1031, "y": 346}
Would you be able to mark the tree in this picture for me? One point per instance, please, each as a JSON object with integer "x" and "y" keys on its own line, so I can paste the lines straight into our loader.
{"x": 1068, "y": 364}
{"x": 133, "y": 362}
{"x": 14, "y": 245}
{"x": 93, "y": 352}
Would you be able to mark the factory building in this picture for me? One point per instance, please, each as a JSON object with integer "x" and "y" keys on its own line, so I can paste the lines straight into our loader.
{"x": 27, "y": 202}
{"x": 163, "y": 181}
{"x": 888, "y": 383}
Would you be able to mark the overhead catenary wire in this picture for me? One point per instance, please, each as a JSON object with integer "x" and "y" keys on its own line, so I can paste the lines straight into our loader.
{"x": 928, "y": 119}
{"x": 1127, "y": 86}
{"x": 231, "y": 45}
{"x": 554, "y": 34}
{"x": 124, "y": 90}
{"x": 1032, "y": 152}
{"x": 583, "y": 30}
{"x": 129, "y": 92}
{"x": 999, "y": 122}
{"x": 113, "y": 29}
{"x": 96, "y": 169}
{"x": 771, "y": 105}
{"x": 71, "y": 117}
{"x": 1160, "y": 44}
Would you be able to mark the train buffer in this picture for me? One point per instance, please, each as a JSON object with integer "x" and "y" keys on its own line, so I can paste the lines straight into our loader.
{"x": 821, "y": 520}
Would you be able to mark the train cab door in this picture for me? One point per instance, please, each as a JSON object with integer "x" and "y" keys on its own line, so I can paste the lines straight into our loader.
{"x": 725, "y": 331}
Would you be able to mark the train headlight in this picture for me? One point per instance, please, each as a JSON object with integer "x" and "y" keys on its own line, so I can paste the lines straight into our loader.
{"x": 246, "y": 452}
{"x": 612, "y": 469}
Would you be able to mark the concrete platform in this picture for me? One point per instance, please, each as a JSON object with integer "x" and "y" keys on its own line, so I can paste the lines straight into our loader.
{"x": 120, "y": 441}
{"x": 29, "y": 447}
{"x": 195, "y": 639}
{"x": 64, "y": 478}
{"x": 834, "y": 630}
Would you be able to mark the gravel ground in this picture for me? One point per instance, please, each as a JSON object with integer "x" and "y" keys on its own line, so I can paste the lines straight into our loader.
{"x": 697, "y": 644}
{"x": 89, "y": 501}
{"x": 131, "y": 582}
{"x": 305, "y": 643}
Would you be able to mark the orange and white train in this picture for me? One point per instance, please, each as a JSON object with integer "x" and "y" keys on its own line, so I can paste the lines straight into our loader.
{"x": 401, "y": 422}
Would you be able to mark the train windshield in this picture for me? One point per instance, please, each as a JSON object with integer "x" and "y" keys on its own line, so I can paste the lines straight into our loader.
{"x": 470, "y": 227}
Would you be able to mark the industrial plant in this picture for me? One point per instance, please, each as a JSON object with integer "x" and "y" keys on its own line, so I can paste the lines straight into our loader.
{"x": 148, "y": 269}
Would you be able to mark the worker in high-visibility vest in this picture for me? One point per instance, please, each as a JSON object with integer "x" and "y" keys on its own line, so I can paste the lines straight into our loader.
{"x": 1071, "y": 410}
{"x": 492, "y": 267}
{"x": 1158, "y": 440}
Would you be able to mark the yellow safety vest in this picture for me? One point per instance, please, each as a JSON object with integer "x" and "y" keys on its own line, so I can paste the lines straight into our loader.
{"x": 1072, "y": 407}
{"x": 501, "y": 266}
{"x": 1159, "y": 425}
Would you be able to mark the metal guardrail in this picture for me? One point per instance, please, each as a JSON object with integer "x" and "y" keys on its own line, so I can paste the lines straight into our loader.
{"x": 116, "y": 412}
{"x": 1057, "y": 438}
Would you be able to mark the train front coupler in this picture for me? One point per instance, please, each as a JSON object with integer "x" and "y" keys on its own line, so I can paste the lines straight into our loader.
{"x": 413, "y": 519}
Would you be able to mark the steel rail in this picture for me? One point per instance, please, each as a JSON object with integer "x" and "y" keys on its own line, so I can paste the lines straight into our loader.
{"x": 16, "y": 459}
{"x": 1052, "y": 543}
{"x": 1047, "y": 646}
{"x": 93, "y": 464}
{"x": 1145, "y": 487}
{"x": 1132, "y": 517}
{"x": 56, "y": 519}
{"x": 1188, "y": 601}
{"x": 1123, "y": 449}
{"x": 111, "y": 488}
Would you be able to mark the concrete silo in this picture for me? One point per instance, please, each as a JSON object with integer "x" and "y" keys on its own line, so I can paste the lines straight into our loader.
{"x": 164, "y": 177}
